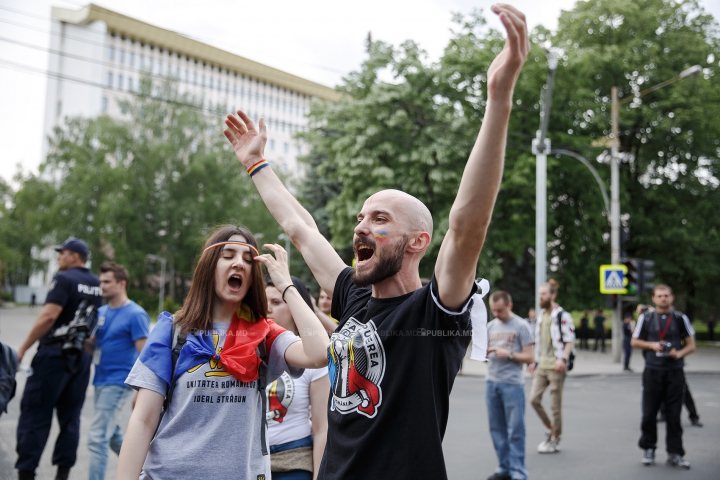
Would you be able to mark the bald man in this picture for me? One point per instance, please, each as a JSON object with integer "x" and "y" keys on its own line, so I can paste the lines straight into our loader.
{"x": 398, "y": 346}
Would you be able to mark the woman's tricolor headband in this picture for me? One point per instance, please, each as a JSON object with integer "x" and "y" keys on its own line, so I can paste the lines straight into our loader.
{"x": 220, "y": 244}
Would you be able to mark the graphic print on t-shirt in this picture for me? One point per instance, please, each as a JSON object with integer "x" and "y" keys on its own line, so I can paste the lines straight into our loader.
{"x": 356, "y": 364}
{"x": 280, "y": 395}
{"x": 216, "y": 368}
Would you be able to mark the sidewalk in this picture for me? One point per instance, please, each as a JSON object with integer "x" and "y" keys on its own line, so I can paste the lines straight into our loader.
{"x": 589, "y": 363}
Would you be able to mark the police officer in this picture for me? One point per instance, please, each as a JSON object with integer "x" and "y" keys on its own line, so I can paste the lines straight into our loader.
{"x": 51, "y": 386}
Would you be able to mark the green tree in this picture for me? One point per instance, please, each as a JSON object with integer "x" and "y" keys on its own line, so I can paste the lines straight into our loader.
{"x": 154, "y": 181}
{"x": 414, "y": 133}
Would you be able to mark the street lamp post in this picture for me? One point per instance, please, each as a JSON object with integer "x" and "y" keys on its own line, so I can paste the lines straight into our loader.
{"x": 615, "y": 192}
{"x": 162, "y": 261}
{"x": 541, "y": 148}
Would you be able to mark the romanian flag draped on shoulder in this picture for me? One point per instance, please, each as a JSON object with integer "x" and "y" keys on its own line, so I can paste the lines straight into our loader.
{"x": 238, "y": 355}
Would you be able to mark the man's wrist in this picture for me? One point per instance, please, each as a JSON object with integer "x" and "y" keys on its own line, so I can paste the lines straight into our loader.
{"x": 511, "y": 356}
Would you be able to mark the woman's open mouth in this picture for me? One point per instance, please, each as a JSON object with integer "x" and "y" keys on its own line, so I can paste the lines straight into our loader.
{"x": 235, "y": 283}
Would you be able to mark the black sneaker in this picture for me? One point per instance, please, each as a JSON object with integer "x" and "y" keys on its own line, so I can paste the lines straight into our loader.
{"x": 695, "y": 422}
{"x": 62, "y": 473}
{"x": 500, "y": 476}
{"x": 677, "y": 461}
{"x": 26, "y": 475}
{"x": 648, "y": 457}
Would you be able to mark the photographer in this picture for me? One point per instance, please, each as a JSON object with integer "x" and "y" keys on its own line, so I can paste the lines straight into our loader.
{"x": 123, "y": 328}
{"x": 666, "y": 336}
{"x": 51, "y": 386}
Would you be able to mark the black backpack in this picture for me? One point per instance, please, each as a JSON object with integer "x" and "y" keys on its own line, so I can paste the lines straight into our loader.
{"x": 8, "y": 367}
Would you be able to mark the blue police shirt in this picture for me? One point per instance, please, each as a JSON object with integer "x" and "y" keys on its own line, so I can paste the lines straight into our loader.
{"x": 68, "y": 289}
{"x": 118, "y": 329}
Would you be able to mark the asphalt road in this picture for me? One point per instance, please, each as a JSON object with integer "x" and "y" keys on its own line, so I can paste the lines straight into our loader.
{"x": 601, "y": 428}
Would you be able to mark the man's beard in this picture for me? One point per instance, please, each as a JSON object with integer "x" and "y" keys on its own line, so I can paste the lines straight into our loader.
{"x": 546, "y": 305}
{"x": 386, "y": 266}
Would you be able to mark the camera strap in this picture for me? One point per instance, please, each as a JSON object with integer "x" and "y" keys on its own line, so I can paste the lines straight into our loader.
{"x": 664, "y": 331}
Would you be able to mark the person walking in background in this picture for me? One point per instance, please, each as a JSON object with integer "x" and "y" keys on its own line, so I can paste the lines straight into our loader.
{"x": 123, "y": 328}
{"x": 554, "y": 339}
{"x": 584, "y": 332}
{"x": 510, "y": 345}
{"x": 33, "y": 300}
{"x": 600, "y": 330}
{"x": 297, "y": 407}
{"x": 628, "y": 327}
{"x": 666, "y": 336}
{"x": 711, "y": 327}
{"x": 531, "y": 319}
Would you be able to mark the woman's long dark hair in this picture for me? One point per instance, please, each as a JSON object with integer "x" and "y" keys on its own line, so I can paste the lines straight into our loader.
{"x": 196, "y": 313}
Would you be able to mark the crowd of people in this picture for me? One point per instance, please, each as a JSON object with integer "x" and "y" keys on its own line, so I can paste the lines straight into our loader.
{"x": 252, "y": 377}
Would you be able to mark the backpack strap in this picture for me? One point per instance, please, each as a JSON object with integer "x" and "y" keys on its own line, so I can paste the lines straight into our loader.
{"x": 179, "y": 337}
{"x": 262, "y": 384}
{"x": 559, "y": 322}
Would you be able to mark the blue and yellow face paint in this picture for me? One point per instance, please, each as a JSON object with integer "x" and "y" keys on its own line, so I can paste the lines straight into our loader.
{"x": 380, "y": 234}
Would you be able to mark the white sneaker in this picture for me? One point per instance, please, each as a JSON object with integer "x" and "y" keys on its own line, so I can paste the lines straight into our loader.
{"x": 648, "y": 457}
{"x": 543, "y": 444}
{"x": 551, "y": 446}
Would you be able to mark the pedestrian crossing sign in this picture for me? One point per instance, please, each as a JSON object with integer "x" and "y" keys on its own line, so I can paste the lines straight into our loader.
{"x": 613, "y": 279}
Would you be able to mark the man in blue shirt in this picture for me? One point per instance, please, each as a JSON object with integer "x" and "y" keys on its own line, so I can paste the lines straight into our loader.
{"x": 52, "y": 387}
{"x": 123, "y": 328}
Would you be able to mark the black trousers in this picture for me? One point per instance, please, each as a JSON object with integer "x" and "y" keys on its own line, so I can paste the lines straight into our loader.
{"x": 627, "y": 347}
{"x": 599, "y": 337}
{"x": 689, "y": 404}
{"x": 50, "y": 388}
{"x": 668, "y": 387}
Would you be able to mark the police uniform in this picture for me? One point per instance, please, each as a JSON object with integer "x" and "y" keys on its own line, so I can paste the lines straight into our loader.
{"x": 51, "y": 386}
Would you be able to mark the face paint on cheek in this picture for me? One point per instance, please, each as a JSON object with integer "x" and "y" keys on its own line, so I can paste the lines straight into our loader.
{"x": 380, "y": 235}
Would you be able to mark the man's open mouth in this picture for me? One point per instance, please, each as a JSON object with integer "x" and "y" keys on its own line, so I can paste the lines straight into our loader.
{"x": 364, "y": 252}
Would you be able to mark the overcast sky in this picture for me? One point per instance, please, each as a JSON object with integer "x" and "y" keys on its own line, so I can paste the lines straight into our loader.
{"x": 318, "y": 39}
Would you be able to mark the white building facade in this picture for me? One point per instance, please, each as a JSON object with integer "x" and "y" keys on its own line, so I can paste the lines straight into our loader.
{"x": 98, "y": 56}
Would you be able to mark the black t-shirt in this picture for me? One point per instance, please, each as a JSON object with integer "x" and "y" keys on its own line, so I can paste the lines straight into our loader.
{"x": 69, "y": 287}
{"x": 392, "y": 363}
{"x": 676, "y": 326}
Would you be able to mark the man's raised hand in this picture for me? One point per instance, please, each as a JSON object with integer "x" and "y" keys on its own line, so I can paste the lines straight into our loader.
{"x": 505, "y": 69}
{"x": 247, "y": 141}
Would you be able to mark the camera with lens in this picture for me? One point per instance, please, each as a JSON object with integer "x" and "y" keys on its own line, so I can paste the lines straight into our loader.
{"x": 643, "y": 308}
{"x": 82, "y": 327}
{"x": 666, "y": 347}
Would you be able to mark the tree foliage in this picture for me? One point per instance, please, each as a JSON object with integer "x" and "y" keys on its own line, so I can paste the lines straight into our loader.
{"x": 152, "y": 182}
{"x": 409, "y": 124}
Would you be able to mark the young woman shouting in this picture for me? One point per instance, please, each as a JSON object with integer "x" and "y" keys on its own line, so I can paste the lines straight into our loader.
{"x": 214, "y": 425}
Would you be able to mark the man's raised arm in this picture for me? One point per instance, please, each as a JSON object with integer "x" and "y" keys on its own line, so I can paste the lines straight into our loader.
{"x": 249, "y": 144}
{"x": 472, "y": 210}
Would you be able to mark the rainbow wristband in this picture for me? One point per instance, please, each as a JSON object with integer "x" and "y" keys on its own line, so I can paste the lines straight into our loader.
{"x": 257, "y": 167}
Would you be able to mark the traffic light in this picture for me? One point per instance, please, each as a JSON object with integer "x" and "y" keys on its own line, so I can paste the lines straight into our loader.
{"x": 645, "y": 275}
{"x": 631, "y": 277}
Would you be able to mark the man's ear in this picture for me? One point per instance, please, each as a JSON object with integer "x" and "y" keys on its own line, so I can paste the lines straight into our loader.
{"x": 419, "y": 242}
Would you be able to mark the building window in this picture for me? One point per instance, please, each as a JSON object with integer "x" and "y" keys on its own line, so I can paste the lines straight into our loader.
{"x": 130, "y": 84}
{"x": 210, "y": 83}
{"x": 120, "y": 82}
{"x": 202, "y": 80}
{"x": 187, "y": 75}
{"x": 160, "y": 68}
{"x": 59, "y": 109}
{"x": 141, "y": 61}
{"x": 131, "y": 59}
{"x": 286, "y": 147}
{"x": 110, "y": 79}
{"x": 111, "y": 53}
{"x": 297, "y": 150}
{"x": 150, "y": 64}
{"x": 194, "y": 78}
{"x": 121, "y": 56}
{"x": 104, "y": 104}
{"x": 272, "y": 144}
